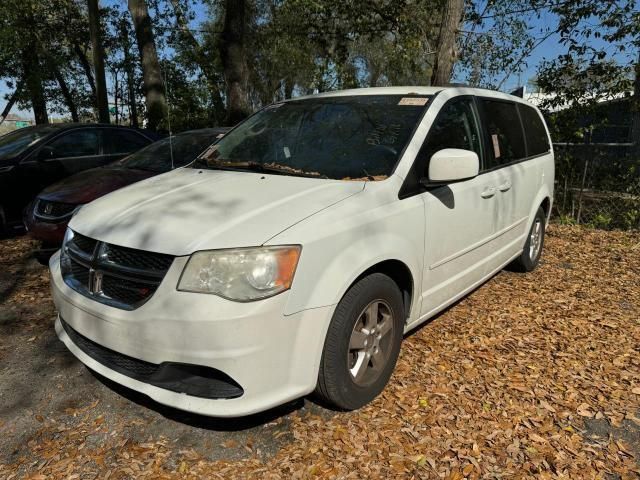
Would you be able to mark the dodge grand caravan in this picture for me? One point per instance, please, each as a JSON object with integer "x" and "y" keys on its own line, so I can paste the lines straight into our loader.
{"x": 291, "y": 257}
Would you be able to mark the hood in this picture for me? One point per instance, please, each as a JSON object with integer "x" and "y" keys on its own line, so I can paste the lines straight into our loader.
{"x": 188, "y": 210}
{"x": 88, "y": 185}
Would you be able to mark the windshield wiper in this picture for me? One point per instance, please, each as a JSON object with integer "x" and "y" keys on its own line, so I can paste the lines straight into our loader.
{"x": 262, "y": 168}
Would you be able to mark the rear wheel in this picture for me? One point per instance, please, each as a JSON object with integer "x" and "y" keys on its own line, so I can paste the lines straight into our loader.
{"x": 362, "y": 344}
{"x": 532, "y": 251}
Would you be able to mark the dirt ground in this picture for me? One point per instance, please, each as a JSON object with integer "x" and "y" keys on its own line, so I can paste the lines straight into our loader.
{"x": 533, "y": 375}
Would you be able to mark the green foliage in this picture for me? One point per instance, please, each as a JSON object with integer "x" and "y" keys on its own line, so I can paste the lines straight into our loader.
{"x": 496, "y": 41}
{"x": 39, "y": 38}
{"x": 566, "y": 220}
{"x": 601, "y": 221}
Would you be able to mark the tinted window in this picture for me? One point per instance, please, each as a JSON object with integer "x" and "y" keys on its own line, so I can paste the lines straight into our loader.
{"x": 79, "y": 143}
{"x": 537, "y": 140}
{"x": 506, "y": 142}
{"x": 336, "y": 137}
{"x": 455, "y": 127}
{"x": 16, "y": 142}
{"x": 122, "y": 141}
{"x": 157, "y": 157}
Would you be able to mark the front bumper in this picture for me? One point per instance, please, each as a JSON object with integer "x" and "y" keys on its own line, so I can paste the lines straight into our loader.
{"x": 273, "y": 357}
{"x": 49, "y": 233}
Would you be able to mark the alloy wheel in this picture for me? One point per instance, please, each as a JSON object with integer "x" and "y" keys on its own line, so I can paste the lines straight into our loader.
{"x": 370, "y": 343}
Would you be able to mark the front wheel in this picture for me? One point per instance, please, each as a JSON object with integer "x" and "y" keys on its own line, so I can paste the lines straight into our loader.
{"x": 532, "y": 251}
{"x": 362, "y": 344}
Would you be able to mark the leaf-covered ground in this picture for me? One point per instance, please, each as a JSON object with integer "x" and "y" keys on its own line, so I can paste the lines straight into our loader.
{"x": 533, "y": 375}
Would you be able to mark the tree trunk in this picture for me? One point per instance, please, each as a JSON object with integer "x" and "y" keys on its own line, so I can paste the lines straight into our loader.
{"x": 288, "y": 88}
{"x": 232, "y": 53}
{"x": 33, "y": 83}
{"x": 66, "y": 93}
{"x": 129, "y": 69}
{"x": 151, "y": 75}
{"x": 11, "y": 101}
{"x": 84, "y": 62}
{"x": 98, "y": 62}
{"x": 452, "y": 11}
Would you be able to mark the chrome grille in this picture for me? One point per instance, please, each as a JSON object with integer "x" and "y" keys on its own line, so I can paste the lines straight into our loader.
{"x": 47, "y": 210}
{"x": 117, "y": 276}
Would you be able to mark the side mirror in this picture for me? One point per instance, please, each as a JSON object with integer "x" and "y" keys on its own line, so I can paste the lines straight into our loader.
{"x": 452, "y": 165}
{"x": 46, "y": 153}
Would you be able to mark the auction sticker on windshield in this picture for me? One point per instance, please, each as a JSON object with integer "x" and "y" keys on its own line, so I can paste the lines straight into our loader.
{"x": 413, "y": 101}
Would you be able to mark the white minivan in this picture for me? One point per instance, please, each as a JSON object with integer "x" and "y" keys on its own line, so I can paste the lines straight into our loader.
{"x": 293, "y": 255}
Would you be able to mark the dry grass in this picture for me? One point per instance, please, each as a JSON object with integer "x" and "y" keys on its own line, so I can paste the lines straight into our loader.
{"x": 509, "y": 383}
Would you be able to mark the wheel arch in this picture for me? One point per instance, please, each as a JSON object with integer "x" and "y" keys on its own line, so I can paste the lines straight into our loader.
{"x": 546, "y": 207}
{"x": 400, "y": 273}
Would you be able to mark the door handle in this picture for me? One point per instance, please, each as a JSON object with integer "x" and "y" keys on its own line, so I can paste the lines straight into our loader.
{"x": 488, "y": 192}
{"x": 505, "y": 186}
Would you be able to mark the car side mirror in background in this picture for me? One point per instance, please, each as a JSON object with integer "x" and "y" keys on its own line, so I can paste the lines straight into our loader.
{"x": 46, "y": 153}
{"x": 451, "y": 165}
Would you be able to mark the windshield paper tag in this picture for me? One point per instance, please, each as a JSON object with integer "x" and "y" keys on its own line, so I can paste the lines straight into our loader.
{"x": 413, "y": 101}
{"x": 496, "y": 145}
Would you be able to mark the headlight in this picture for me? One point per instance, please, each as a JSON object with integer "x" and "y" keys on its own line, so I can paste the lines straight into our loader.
{"x": 241, "y": 274}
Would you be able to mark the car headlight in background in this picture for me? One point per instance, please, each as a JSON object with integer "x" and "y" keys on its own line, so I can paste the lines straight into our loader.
{"x": 241, "y": 274}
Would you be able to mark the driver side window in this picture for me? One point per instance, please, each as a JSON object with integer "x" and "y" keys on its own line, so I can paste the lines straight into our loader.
{"x": 455, "y": 127}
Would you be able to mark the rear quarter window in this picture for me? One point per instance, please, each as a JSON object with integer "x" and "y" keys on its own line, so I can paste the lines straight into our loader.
{"x": 123, "y": 141}
{"x": 504, "y": 131}
{"x": 537, "y": 139}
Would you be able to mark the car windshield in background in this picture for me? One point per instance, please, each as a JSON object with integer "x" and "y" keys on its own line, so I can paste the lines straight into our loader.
{"x": 157, "y": 156}
{"x": 16, "y": 142}
{"x": 343, "y": 137}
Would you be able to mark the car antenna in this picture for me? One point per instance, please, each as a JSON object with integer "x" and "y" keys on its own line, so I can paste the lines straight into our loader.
{"x": 166, "y": 94}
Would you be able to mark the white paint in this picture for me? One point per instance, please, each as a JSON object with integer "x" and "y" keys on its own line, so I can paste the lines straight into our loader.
{"x": 451, "y": 240}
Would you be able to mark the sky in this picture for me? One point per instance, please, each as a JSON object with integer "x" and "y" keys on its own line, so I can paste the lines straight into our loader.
{"x": 547, "y": 50}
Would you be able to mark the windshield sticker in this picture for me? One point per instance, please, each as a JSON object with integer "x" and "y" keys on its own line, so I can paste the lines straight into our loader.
{"x": 496, "y": 145}
{"x": 413, "y": 101}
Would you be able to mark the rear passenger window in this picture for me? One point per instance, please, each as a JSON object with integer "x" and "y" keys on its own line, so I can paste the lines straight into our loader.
{"x": 455, "y": 127}
{"x": 78, "y": 143}
{"x": 537, "y": 139}
{"x": 122, "y": 141}
{"x": 506, "y": 141}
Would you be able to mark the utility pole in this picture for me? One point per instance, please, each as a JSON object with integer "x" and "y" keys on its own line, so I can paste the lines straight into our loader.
{"x": 98, "y": 62}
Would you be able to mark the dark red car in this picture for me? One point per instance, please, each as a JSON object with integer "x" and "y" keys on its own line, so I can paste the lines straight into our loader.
{"x": 47, "y": 217}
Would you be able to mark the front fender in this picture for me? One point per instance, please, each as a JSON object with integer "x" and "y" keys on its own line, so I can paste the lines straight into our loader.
{"x": 342, "y": 243}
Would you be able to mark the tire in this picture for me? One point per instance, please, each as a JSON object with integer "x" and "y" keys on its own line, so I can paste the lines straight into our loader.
{"x": 43, "y": 257}
{"x": 349, "y": 378}
{"x": 530, "y": 257}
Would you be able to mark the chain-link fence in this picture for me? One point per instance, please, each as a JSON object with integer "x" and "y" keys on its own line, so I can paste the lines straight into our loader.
{"x": 598, "y": 185}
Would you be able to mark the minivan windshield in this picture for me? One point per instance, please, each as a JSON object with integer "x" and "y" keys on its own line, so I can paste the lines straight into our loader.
{"x": 342, "y": 137}
{"x": 157, "y": 157}
{"x": 14, "y": 143}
